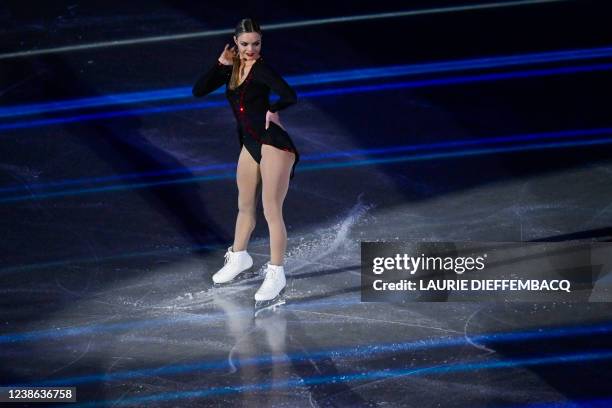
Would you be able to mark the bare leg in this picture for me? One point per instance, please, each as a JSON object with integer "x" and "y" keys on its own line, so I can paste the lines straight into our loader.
{"x": 275, "y": 169}
{"x": 248, "y": 177}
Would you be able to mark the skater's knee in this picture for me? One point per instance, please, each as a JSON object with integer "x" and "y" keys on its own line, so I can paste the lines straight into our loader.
{"x": 247, "y": 208}
{"x": 273, "y": 213}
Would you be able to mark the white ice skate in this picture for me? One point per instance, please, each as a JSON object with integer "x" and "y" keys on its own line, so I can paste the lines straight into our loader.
{"x": 271, "y": 290}
{"x": 235, "y": 263}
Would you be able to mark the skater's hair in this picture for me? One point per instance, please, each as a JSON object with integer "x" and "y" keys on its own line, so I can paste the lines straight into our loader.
{"x": 246, "y": 25}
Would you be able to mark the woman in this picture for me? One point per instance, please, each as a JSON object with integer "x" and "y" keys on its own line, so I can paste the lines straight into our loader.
{"x": 267, "y": 152}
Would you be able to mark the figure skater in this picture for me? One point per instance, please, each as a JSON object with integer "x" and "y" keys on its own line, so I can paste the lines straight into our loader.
{"x": 267, "y": 153}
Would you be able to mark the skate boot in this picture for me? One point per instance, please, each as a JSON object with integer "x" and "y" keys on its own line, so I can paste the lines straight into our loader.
{"x": 235, "y": 263}
{"x": 271, "y": 290}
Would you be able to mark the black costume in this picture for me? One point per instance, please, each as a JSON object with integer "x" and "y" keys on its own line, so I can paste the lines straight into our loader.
{"x": 250, "y": 101}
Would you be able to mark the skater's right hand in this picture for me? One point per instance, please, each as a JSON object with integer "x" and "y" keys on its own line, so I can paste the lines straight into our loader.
{"x": 228, "y": 54}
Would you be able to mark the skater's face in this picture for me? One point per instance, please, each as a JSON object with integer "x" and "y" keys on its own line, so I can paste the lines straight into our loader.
{"x": 249, "y": 46}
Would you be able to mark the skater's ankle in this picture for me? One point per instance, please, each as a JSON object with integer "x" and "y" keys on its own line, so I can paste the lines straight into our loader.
{"x": 275, "y": 267}
{"x": 234, "y": 251}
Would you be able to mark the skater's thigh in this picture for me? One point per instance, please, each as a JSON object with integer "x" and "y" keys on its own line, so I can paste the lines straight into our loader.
{"x": 275, "y": 170}
{"x": 248, "y": 177}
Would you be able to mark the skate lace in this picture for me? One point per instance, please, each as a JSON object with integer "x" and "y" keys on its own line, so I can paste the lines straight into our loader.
{"x": 228, "y": 256}
{"x": 270, "y": 276}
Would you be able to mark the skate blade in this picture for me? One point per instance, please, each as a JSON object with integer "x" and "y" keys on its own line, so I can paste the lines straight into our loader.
{"x": 243, "y": 276}
{"x": 272, "y": 304}
{"x": 271, "y": 308}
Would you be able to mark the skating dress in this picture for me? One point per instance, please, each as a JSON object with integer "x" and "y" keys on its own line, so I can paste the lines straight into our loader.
{"x": 250, "y": 101}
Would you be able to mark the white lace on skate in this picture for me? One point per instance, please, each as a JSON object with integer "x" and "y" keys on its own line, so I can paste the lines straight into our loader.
{"x": 234, "y": 264}
{"x": 273, "y": 283}
{"x": 268, "y": 283}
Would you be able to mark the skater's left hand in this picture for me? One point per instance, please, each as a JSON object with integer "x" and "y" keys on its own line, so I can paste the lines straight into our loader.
{"x": 273, "y": 117}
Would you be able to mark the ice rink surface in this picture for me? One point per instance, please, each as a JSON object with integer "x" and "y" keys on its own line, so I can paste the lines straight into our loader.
{"x": 116, "y": 209}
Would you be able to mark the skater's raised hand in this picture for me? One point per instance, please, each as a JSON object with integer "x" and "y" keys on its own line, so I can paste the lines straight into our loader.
{"x": 228, "y": 54}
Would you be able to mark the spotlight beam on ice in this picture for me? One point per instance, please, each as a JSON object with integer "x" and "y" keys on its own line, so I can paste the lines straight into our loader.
{"x": 25, "y": 124}
{"x": 318, "y": 156}
{"x": 356, "y": 351}
{"x": 270, "y": 27}
{"x": 334, "y": 163}
{"x": 317, "y": 78}
{"x": 368, "y": 375}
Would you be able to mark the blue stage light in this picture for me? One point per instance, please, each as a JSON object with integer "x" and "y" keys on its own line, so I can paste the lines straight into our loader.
{"x": 318, "y": 79}
{"x": 349, "y": 163}
{"x": 311, "y": 94}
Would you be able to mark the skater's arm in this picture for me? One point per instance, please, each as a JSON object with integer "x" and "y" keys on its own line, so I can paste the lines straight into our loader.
{"x": 212, "y": 79}
{"x": 277, "y": 84}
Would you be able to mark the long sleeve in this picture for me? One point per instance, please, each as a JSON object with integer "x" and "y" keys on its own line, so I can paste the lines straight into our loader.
{"x": 277, "y": 84}
{"x": 212, "y": 79}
